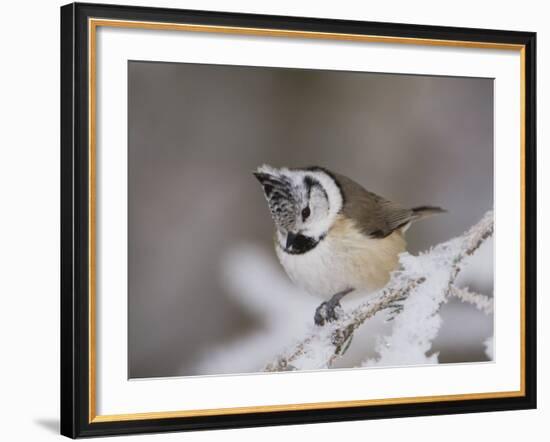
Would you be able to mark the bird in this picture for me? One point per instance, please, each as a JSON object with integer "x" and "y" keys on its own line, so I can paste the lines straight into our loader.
{"x": 332, "y": 236}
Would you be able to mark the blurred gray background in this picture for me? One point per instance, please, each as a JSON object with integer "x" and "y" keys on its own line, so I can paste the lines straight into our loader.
{"x": 196, "y": 133}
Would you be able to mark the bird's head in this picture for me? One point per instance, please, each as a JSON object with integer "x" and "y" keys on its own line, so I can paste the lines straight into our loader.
{"x": 303, "y": 202}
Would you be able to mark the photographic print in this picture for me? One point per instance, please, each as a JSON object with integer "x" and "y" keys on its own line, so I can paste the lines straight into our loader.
{"x": 282, "y": 220}
{"x": 294, "y": 219}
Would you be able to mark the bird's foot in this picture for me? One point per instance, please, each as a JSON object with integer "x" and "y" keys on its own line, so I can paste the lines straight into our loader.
{"x": 328, "y": 311}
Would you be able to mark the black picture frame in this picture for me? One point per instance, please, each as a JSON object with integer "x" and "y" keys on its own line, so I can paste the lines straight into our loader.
{"x": 75, "y": 219}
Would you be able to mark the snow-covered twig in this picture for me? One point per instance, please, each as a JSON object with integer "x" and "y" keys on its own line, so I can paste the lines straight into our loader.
{"x": 421, "y": 285}
{"x": 482, "y": 302}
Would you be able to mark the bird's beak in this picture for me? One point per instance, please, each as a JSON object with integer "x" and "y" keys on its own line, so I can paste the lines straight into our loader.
{"x": 290, "y": 237}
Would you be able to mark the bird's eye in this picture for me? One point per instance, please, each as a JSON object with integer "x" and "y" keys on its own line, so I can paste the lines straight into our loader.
{"x": 305, "y": 213}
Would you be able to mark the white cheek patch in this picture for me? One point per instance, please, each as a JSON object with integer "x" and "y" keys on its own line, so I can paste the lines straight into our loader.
{"x": 326, "y": 204}
{"x": 319, "y": 207}
{"x": 333, "y": 191}
{"x": 318, "y": 200}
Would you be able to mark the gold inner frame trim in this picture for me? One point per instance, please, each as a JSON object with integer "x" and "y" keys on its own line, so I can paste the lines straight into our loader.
{"x": 93, "y": 24}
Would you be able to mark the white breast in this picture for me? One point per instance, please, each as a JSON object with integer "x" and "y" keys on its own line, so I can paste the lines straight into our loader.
{"x": 344, "y": 259}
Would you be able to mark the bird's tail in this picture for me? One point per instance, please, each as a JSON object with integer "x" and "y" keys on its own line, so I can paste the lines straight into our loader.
{"x": 422, "y": 212}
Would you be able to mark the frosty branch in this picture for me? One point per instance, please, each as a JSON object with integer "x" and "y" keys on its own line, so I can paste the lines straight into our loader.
{"x": 413, "y": 297}
{"x": 482, "y": 302}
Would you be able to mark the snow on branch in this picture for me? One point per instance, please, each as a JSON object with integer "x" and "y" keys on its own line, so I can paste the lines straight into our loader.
{"x": 412, "y": 298}
{"x": 481, "y": 302}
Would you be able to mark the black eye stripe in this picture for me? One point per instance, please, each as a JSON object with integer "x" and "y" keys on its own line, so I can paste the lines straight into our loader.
{"x": 310, "y": 183}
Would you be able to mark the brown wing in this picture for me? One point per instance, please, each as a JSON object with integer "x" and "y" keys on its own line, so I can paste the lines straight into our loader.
{"x": 375, "y": 216}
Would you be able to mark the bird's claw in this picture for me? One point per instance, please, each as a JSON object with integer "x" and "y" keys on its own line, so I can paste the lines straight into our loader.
{"x": 328, "y": 311}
